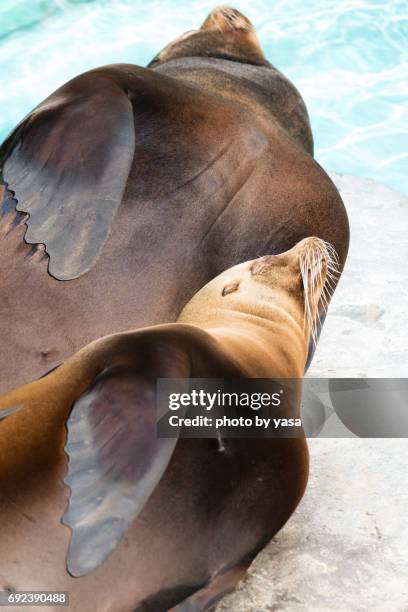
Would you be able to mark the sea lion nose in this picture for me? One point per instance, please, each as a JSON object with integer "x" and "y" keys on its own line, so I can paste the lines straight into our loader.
{"x": 226, "y": 19}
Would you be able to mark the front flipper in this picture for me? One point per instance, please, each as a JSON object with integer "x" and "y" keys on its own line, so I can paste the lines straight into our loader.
{"x": 67, "y": 163}
{"x": 115, "y": 462}
{"x": 116, "y": 458}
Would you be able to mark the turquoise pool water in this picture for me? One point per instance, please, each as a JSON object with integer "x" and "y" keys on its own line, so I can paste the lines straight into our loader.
{"x": 349, "y": 58}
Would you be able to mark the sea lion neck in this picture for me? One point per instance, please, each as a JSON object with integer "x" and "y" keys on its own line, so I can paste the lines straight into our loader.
{"x": 270, "y": 336}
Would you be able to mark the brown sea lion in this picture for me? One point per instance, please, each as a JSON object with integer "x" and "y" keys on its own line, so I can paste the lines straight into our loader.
{"x": 173, "y": 173}
{"x": 158, "y": 522}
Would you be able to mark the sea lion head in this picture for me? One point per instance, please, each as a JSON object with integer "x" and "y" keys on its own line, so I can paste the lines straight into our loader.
{"x": 298, "y": 281}
{"x": 225, "y": 34}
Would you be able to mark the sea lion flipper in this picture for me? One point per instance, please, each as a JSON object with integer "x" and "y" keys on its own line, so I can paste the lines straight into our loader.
{"x": 219, "y": 586}
{"x": 115, "y": 462}
{"x": 68, "y": 163}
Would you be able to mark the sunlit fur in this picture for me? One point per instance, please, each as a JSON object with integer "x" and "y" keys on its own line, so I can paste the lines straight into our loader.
{"x": 230, "y": 17}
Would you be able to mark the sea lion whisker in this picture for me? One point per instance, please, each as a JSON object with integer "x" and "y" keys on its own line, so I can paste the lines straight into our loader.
{"x": 234, "y": 19}
{"x": 319, "y": 271}
{"x": 215, "y": 22}
{"x": 331, "y": 282}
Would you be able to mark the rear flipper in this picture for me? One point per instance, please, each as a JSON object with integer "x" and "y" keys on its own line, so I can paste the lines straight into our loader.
{"x": 207, "y": 598}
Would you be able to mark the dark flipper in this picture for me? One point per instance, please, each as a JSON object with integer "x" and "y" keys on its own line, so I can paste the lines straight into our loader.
{"x": 68, "y": 162}
{"x": 207, "y": 598}
{"x": 116, "y": 458}
{"x": 115, "y": 462}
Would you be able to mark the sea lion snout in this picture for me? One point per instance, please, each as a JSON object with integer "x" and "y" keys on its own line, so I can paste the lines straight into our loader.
{"x": 309, "y": 252}
{"x": 225, "y": 34}
{"x": 225, "y": 19}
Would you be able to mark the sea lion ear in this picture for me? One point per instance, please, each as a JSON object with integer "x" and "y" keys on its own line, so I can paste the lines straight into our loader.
{"x": 115, "y": 462}
{"x": 68, "y": 163}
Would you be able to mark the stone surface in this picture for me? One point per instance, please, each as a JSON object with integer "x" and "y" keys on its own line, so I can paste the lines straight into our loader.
{"x": 366, "y": 330}
{"x": 346, "y": 546}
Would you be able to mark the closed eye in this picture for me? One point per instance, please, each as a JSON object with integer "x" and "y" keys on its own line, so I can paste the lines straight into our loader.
{"x": 230, "y": 288}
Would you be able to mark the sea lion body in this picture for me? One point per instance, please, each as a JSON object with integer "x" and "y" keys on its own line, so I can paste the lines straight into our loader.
{"x": 220, "y": 170}
{"x": 216, "y": 504}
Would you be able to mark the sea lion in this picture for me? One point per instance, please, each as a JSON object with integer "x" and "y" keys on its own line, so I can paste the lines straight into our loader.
{"x": 157, "y": 521}
{"x": 173, "y": 173}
